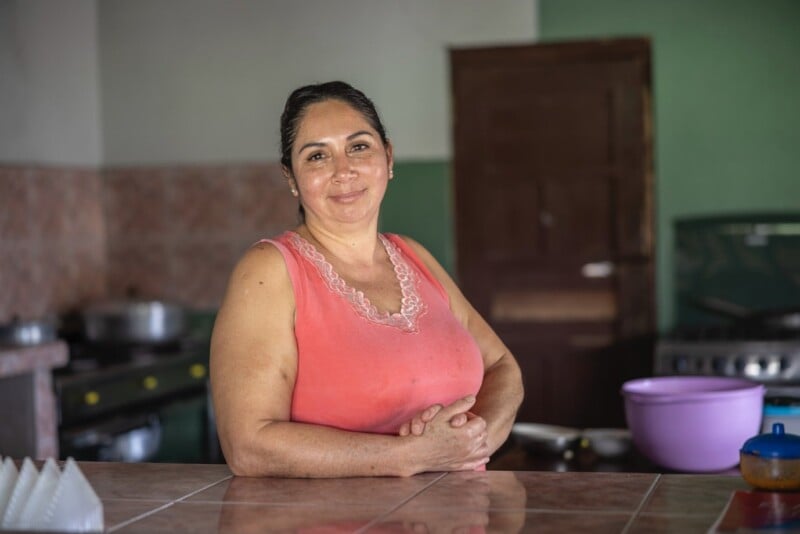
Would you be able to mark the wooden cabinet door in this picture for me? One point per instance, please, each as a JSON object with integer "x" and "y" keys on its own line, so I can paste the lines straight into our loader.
{"x": 553, "y": 207}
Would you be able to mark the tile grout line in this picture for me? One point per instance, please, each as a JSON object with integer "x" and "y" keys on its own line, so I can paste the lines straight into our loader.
{"x": 643, "y": 502}
{"x": 163, "y": 506}
{"x": 401, "y": 504}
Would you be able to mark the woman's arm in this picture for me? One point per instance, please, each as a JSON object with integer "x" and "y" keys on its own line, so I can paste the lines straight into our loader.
{"x": 253, "y": 371}
{"x": 501, "y": 393}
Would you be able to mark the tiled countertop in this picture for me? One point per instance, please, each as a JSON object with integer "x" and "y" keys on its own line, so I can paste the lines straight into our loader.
{"x": 206, "y": 498}
{"x": 19, "y": 360}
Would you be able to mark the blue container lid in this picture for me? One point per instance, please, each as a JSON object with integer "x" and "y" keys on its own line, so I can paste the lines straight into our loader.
{"x": 777, "y": 444}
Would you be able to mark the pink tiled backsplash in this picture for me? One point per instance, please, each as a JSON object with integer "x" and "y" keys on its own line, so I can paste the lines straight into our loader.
{"x": 70, "y": 236}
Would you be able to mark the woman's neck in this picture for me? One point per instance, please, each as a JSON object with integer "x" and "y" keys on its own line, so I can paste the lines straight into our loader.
{"x": 352, "y": 246}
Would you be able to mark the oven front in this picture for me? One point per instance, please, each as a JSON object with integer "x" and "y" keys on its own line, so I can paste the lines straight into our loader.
{"x": 153, "y": 408}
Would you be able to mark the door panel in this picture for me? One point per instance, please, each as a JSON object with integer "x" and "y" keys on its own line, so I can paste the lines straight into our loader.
{"x": 552, "y": 184}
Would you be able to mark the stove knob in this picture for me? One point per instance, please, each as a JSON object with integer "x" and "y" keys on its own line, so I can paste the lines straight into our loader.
{"x": 91, "y": 398}
{"x": 150, "y": 383}
{"x": 680, "y": 364}
{"x": 197, "y": 371}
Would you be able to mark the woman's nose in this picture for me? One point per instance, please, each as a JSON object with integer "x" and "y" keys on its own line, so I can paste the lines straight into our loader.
{"x": 342, "y": 170}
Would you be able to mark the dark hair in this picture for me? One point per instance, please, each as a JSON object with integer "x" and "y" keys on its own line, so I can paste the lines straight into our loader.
{"x": 301, "y": 98}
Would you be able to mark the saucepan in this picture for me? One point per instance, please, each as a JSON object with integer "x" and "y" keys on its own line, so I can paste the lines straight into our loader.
{"x": 133, "y": 322}
{"x": 28, "y": 332}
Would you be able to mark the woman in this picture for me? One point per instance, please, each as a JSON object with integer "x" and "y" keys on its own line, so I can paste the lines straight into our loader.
{"x": 339, "y": 351}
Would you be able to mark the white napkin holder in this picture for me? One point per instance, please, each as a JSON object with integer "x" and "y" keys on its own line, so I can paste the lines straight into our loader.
{"x": 49, "y": 500}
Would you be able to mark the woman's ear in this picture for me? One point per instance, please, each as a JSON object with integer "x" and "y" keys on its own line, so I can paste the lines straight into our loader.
{"x": 390, "y": 158}
{"x": 290, "y": 180}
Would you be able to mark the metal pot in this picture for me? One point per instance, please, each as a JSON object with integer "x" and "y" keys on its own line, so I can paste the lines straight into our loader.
{"x": 25, "y": 333}
{"x": 546, "y": 439}
{"x": 134, "y": 321}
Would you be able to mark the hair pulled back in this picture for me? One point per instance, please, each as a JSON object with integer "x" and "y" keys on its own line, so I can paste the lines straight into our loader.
{"x": 301, "y": 98}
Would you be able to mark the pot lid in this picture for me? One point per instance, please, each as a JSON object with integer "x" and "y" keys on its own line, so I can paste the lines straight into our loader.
{"x": 777, "y": 444}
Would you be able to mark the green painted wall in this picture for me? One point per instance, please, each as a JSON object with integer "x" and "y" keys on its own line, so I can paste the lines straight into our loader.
{"x": 418, "y": 204}
{"x": 726, "y": 77}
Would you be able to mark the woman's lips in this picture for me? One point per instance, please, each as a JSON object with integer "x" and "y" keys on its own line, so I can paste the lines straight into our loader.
{"x": 346, "y": 198}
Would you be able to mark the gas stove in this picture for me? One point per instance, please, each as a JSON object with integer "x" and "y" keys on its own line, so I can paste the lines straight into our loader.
{"x": 101, "y": 380}
{"x": 767, "y": 356}
{"x": 136, "y": 403}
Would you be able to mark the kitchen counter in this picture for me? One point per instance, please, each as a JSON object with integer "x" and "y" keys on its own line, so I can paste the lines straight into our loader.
{"x": 27, "y": 404}
{"x": 206, "y": 498}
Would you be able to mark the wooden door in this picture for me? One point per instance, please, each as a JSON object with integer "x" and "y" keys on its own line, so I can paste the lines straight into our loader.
{"x": 553, "y": 206}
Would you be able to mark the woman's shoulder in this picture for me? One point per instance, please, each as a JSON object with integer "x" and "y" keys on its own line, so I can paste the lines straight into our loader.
{"x": 264, "y": 258}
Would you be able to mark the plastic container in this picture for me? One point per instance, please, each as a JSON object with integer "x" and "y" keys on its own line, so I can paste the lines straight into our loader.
{"x": 771, "y": 461}
{"x": 782, "y": 410}
{"x": 692, "y": 423}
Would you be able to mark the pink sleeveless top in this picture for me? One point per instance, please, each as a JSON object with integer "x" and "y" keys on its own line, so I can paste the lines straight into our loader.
{"x": 362, "y": 370}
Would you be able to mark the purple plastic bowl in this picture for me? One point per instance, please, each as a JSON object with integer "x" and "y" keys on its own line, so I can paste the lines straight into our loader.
{"x": 693, "y": 423}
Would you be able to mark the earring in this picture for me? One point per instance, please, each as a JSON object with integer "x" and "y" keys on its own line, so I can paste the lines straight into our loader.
{"x": 391, "y": 173}
{"x": 294, "y": 192}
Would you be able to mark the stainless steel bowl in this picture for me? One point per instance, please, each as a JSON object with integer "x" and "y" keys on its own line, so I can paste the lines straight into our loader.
{"x": 26, "y": 333}
{"x": 134, "y": 321}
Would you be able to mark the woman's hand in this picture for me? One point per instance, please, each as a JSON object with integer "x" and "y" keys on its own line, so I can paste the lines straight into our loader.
{"x": 416, "y": 426}
{"x": 443, "y": 446}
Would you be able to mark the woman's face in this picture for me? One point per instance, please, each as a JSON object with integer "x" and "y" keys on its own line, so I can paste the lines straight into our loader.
{"x": 340, "y": 165}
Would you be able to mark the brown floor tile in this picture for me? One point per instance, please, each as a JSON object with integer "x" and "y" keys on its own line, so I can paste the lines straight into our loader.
{"x": 505, "y": 521}
{"x": 118, "y": 511}
{"x": 242, "y": 518}
{"x": 704, "y": 496}
{"x": 621, "y": 492}
{"x": 496, "y": 490}
{"x": 150, "y": 481}
{"x": 649, "y": 523}
{"x": 387, "y": 491}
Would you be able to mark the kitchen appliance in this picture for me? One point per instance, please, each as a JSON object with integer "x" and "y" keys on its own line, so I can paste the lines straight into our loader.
{"x": 137, "y": 401}
{"x": 737, "y": 301}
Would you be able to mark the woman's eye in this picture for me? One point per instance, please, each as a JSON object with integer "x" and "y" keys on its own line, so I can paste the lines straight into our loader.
{"x": 316, "y": 156}
{"x": 359, "y": 147}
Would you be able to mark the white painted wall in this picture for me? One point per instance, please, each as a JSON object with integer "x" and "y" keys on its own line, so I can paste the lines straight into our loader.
{"x": 49, "y": 99}
{"x": 205, "y": 80}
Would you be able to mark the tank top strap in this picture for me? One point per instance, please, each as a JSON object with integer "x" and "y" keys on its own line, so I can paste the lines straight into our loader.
{"x": 291, "y": 261}
{"x": 409, "y": 253}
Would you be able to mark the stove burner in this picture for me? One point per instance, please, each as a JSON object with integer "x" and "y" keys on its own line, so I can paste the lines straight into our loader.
{"x": 101, "y": 378}
{"x": 772, "y": 361}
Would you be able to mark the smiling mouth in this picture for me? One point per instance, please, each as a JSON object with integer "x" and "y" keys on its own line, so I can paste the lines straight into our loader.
{"x": 348, "y": 197}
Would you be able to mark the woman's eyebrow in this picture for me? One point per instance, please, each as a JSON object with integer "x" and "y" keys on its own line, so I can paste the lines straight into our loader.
{"x": 313, "y": 144}
{"x": 318, "y": 144}
{"x": 360, "y": 132}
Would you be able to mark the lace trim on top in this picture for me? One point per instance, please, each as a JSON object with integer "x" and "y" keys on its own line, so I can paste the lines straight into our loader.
{"x": 411, "y": 306}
